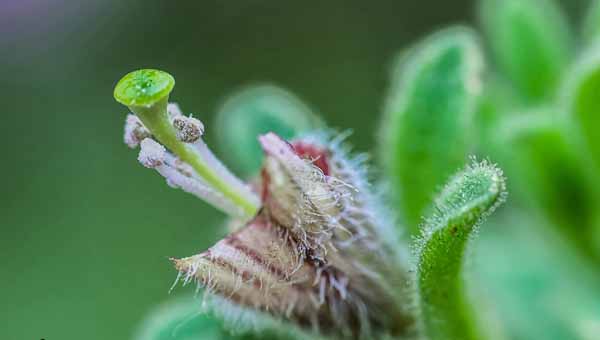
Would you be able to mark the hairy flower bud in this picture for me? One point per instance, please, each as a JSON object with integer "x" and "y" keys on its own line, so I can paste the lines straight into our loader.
{"x": 312, "y": 244}
{"x": 317, "y": 253}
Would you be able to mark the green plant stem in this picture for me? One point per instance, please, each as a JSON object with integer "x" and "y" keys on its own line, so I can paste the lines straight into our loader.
{"x": 156, "y": 119}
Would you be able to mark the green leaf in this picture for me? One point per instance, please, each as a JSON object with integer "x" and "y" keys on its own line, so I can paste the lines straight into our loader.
{"x": 434, "y": 93}
{"x": 530, "y": 277}
{"x": 530, "y": 40}
{"x": 591, "y": 27}
{"x": 256, "y": 110}
{"x": 179, "y": 319}
{"x": 498, "y": 97}
{"x": 213, "y": 318}
{"x": 583, "y": 98}
{"x": 460, "y": 208}
{"x": 247, "y": 323}
{"x": 550, "y": 173}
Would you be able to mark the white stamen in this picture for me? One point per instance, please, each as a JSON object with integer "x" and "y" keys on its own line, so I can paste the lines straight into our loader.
{"x": 135, "y": 131}
{"x": 151, "y": 154}
{"x": 180, "y": 175}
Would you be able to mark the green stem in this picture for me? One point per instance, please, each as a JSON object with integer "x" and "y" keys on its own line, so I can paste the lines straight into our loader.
{"x": 156, "y": 119}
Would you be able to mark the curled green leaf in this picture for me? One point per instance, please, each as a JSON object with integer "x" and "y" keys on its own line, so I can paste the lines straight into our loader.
{"x": 254, "y": 111}
{"x": 530, "y": 41}
{"x": 431, "y": 103}
{"x": 460, "y": 208}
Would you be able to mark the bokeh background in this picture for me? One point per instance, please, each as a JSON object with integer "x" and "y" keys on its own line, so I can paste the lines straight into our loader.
{"x": 86, "y": 231}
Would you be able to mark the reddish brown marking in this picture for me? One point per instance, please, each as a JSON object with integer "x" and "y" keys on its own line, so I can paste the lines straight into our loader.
{"x": 256, "y": 257}
{"x": 246, "y": 276}
{"x": 264, "y": 194}
{"x": 317, "y": 155}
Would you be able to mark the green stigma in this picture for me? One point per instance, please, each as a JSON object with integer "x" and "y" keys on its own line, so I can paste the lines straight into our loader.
{"x": 144, "y": 87}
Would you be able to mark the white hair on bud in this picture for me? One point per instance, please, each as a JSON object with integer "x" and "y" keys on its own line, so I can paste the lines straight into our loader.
{"x": 151, "y": 154}
{"x": 135, "y": 131}
{"x": 336, "y": 218}
{"x": 188, "y": 129}
{"x": 364, "y": 211}
{"x": 312, "y": 199}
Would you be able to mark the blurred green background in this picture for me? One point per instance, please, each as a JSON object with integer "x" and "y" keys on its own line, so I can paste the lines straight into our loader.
{"x": 86, "y": 231}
